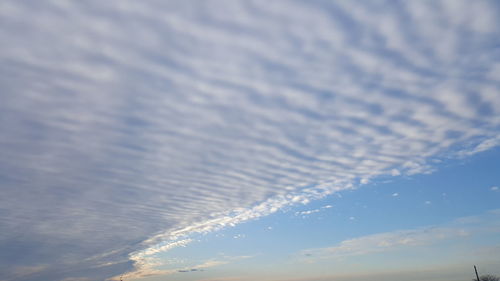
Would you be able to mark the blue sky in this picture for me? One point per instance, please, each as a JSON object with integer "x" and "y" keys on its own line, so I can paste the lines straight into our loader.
{"x": 432, "y": 225}
{"x": 249, "y": 140}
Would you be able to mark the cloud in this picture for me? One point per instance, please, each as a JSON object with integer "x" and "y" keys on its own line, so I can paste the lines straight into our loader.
{"x": 145, "y": 260}
{"x": 150, "y": 268}
{"x": 395, "y": 172}
{"x": 390, "y": 241}
{"x": 395, "y": 194}
{"x": 127, "y": 125}
{"x": 494, "y": 188}
{"x": 308, "y": 212}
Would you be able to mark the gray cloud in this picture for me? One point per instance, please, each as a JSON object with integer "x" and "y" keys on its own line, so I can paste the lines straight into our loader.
{"x": 124, "y": 122}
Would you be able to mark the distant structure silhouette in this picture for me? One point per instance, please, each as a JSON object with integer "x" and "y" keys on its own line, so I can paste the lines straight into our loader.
{"x": 486, "y": 277}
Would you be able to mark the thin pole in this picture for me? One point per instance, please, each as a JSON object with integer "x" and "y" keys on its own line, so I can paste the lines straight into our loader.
{"x": 475, "y": 269}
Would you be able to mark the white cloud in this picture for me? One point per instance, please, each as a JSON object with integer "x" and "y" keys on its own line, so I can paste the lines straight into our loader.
{"x": 482, "y": 146}
{"x": 402, "y": 239}
{"x": 494, "y": 188}
{"x": 122, "y": 118}
{"x": 308, "y": 212}
{"x": 395, "y": 194}
{"x": 389, "y": 241}
{"x": 149, "y": 270}
{"x": 162, "y": 247}
{"x": 395, "y": 172}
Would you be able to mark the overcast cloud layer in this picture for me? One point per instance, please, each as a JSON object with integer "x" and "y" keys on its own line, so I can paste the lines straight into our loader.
{"x": 125, "y": 124}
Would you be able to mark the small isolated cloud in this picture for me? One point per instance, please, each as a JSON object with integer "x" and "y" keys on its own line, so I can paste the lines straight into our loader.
{"x": 212, "y": 263}
{"x": 189, "y": 270}
{"x": 352, "y": 218}
{"x": 494, "y": 188}
{"x": 395, "y": 172}
{"x": 308, "y": 212}
{"x": 395, "y": 194}
{"x": 365, "y": 181}
{"x": 427, "y": 202}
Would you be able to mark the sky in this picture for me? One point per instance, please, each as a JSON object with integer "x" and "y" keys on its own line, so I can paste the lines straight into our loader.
{"x": 220, "y": 140}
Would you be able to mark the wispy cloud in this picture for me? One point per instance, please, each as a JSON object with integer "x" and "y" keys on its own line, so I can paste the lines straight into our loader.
{"x": 150, "y": 268}
{"x": 391, "y": 241}
{"x": 119, "y": 119}
{"x": 308, "y": 212}
{"x": 386, "y": 242}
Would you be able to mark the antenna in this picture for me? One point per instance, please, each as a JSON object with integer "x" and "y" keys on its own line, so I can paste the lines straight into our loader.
{"x": 477, "y": 275}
